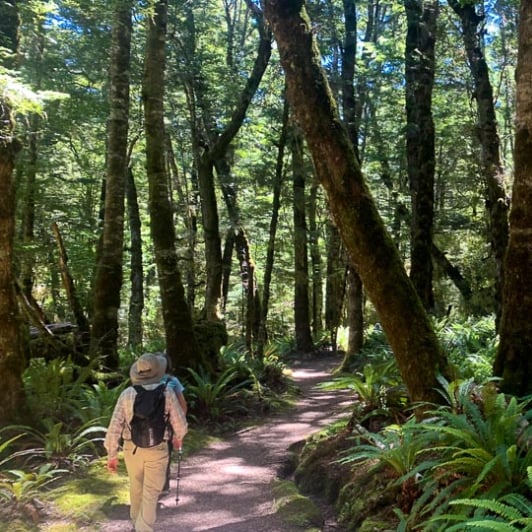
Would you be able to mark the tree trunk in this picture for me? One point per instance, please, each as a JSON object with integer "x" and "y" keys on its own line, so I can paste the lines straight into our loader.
{"x": 12, "y": 345}
{"x": 355, "y": 317}
{"x": 108, "y": 277}
{"x": 188, "y": 201}
{"x": 136, "y": 300}
{"x": 210, "y": 147}
{"x": 70, "y": 289}
{"x": 30, "y": 167}
{"x": 181, "y": 344}
{"x": 213, "y": 244}
{"x": 491, "y": 165}
{"x": 352, "y": 112}
{"x": 371, "y": 250}
{"x": 453, "y": 273}
{"x": 303, "y": 334}
{"x": 9, "y": 36}
{"x": 315, "y": 264}
{"x": 335, "y": 285}
{"x": 514, "y": 357}
{"x": 12, "y": 352}
{"x": 243, "y": 252}
{"x": 276, "y": 205}
{"x": 419, "y": 68}
{"x": 249, "y": 284}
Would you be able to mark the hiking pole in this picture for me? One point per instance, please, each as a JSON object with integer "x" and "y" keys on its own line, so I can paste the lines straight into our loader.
{"x": 178, "y": 475}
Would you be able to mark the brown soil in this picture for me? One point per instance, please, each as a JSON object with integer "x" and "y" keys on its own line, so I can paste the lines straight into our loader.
{"x": 227, "y": 487}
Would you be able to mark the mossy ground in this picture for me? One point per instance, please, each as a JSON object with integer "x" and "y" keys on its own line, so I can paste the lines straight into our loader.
{"x": 362, "y": 498}
{"x": 294, "y": 508}
{"x": 77, "y": 502}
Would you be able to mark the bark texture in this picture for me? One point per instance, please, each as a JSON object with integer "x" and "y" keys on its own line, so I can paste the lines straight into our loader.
{"x": 211, "y": 147}
{"x": 301, "y": 278}
{"x": 270, "y": 253}
{"x": 108, "y": 280}
{"x": 419, "y": 66}
{"x": 12, "y": 356}
{"x": 12, "y": 347}
{"x": 491, "y": 165}
{"x": 352, "y": 113}
{"x": 136, "y": 276}
{"x": 181, "y": 343}
{"x": 514, "y": 358}
{"x": 370, "y": 248}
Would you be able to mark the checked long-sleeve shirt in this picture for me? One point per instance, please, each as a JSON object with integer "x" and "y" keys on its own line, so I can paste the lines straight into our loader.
{"x": 119, "y": 427}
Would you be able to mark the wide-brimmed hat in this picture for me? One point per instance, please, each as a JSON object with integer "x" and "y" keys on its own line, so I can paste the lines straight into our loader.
{"x": 148, "y": 369}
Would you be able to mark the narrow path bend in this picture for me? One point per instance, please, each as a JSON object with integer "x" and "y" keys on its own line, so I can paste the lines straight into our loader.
{"x": 226, "y": 487}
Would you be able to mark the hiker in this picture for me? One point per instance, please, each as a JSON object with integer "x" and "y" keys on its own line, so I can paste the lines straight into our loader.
{"x": 173, "y": 383}
{"x": 146, "y": 466}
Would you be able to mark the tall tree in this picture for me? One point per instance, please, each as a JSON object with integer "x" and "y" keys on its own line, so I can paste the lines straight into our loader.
{"x": 315, "y": 261}
{"x": 371, "y": 250}
{"x": 12, "y": 352}
{"x": 492, "y": 171}
{"x": 108, "y": 281}
{"x": 274, "y": 221}
{"x": 211, "y": 145}
{"x": 352, "y": 113}
{"x": 34, "y": 56}
{"x": 514, "y": 357}
{"x": 136, "y": 276}
{"x": 181, "y": 342}
{"x": 303, "y": 334}
{"x": 419, "y": 72}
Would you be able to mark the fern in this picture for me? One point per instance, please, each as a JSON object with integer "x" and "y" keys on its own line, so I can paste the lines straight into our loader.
{"x": 510, "y": 513}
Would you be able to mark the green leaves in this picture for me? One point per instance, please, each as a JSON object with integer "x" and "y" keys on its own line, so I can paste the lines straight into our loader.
{"x": 210, "y": 398}
{"x": 470, "y": 462}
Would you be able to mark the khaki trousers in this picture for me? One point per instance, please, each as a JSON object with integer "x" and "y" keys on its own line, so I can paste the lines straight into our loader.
{"x": 146, "y": 469}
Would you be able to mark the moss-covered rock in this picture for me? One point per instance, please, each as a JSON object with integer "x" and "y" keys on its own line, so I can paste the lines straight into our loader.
{"x": 294, "y": 508}
{"x": 363, "y": 498}
{"x": 318, "y": 471}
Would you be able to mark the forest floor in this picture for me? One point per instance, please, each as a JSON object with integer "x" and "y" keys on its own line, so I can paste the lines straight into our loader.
{"x": 229, "y": 485}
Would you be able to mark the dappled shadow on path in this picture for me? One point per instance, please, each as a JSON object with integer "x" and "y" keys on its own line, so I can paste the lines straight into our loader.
{"x": 227, "y": 486}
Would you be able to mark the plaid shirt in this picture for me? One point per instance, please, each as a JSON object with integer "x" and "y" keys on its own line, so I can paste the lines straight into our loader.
{"x": 123, "y": 413}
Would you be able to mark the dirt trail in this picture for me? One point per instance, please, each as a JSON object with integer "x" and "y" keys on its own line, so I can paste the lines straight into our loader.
{"x": 226, "y": 487}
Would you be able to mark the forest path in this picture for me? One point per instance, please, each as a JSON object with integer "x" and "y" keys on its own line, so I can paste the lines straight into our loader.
{"x": 227, "y": 486}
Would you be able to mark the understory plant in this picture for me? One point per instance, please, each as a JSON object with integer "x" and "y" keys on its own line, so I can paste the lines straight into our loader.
{"x": 509, "y": 513}
{"x": 210, "y": 397}
{"x": 471, "y": 345}
{"x": 476, "y": 448}
{"x": 20, "y": 489}
{"x": 61, "y": 445}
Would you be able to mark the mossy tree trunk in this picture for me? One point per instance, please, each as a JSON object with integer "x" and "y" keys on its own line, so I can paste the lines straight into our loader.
{"x": 303, "y": 333}
{"x": 136, "y": 276}
{"x": 514, "y": 358}
{"x": 12, "y": 348}
{"x": 491, "y": 165}
{"x": 370, "y": 248}
{"x": 262, "y": 336}
{"x": 352, "y": 106}
{"x": 108, "y": 279}
{"x": 181, "y": 344}
{"x": 419, "y": 73}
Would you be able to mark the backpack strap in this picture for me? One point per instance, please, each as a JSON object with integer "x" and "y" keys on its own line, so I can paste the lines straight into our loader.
{"x": 138, "y": 388}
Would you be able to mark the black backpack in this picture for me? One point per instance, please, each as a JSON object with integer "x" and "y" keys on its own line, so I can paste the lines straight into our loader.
{"x": 149, "y": 419}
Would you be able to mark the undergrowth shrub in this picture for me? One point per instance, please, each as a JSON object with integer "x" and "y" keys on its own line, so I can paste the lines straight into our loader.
{"x": 471, "y": 346}
{"x": 477, "y": 447}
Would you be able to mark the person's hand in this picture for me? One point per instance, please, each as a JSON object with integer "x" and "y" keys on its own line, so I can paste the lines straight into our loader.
{"x": 112, "y": 465}
{"x": 177, "y": 444}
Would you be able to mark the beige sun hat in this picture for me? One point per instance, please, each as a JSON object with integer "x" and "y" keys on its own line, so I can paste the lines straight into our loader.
{"x": 148, "y": 369}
